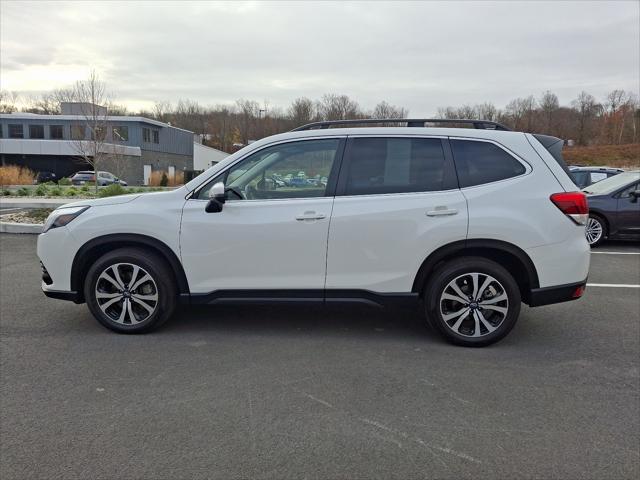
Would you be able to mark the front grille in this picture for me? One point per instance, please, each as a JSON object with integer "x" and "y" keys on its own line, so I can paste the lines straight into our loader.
{"x": 46, "y": 278}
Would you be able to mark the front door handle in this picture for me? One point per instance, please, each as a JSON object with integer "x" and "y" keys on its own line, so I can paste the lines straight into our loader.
{"x": 441, "y": 211}
{"x": 310, "y": 216}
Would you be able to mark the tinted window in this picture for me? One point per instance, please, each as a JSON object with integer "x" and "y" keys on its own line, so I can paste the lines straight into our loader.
{"x": 483, "y": 162}
{"x": 36, "y": 131}
{"x": 55, "y": 132}
{"x": 396, "y": 165}
{"x": 15, "y": 131}
{"x": 288, "y": 170}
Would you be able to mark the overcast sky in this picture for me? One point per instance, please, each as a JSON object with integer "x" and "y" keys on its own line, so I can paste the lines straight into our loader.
{"x": 419, "y": 55}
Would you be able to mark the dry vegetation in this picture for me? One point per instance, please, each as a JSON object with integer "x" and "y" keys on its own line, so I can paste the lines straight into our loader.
{"x": 622, "y": 156}
{"x": 172, "y": 181}
{"x": 14, "y": 175}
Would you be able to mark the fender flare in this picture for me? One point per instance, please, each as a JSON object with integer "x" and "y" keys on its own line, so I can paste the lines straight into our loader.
{"x": 80, "y": 260}
{"x": 450, "y": 249}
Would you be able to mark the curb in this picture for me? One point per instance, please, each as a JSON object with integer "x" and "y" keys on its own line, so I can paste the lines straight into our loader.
{"x": 35, "y": 203}
{"x": 28, "y": 228}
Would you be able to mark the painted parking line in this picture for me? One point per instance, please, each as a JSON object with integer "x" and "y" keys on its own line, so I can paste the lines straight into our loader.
{"x": 615, "y": 253}
{"x": 613, "y": 285}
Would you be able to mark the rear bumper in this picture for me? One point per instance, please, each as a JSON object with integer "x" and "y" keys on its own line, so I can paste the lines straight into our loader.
{"x": 556, "y": 294}
{"x": 62, "y": 295}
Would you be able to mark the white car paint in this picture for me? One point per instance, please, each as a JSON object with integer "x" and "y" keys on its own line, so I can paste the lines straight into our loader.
{"x": 368, "y": 242}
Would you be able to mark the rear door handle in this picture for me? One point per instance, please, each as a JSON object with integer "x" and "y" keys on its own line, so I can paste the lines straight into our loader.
{"x": 441, "y": 211}
{"x": 310, "y": 216}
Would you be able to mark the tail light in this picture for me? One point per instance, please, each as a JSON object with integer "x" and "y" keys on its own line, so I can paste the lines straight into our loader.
{"x": 573, "y": 204}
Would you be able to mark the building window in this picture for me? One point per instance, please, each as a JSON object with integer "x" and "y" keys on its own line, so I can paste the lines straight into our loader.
{"x": 121, "y": 133}
{"x": 78, "y": 132}
{"x": 156, "y": 136}
{"x": 15, "y": 131}
{"x": 56, "y": 132}
{"x": 99, "y": 133}
{"x": 1, "y": 131}
{"x": 146, "y": 135}
{"x": 36, "y": 131}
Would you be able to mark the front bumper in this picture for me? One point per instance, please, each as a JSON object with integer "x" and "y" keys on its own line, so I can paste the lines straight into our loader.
{"x": 556, "y": 294}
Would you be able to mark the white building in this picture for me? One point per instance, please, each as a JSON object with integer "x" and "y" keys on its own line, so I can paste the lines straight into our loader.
{"x": 204, "y": 157}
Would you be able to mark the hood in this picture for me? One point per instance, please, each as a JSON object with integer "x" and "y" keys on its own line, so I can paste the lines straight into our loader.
{"x": 99, "y": 202}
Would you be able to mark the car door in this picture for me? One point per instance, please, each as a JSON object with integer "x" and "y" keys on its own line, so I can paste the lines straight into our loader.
{"x": 397, "y": 200}
{"x": 628, "y": 211}
{"x": 269, "y": 235}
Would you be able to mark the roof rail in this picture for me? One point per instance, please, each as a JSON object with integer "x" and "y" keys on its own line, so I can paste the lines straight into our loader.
{"x": 411, "y": 122}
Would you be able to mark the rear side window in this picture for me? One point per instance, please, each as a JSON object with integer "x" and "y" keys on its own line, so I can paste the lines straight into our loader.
{"x": 483, "y": 162}
{"x": 396, "y": 165}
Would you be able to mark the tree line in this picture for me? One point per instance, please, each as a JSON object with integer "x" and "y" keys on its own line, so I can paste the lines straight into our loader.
{"x": 614, "y": 119}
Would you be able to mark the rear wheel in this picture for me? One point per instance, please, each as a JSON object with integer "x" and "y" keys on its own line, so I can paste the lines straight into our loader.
{"x": 130, "y": 291}
{"x": 472, "y": 301}
{"x": 596, "y": 230}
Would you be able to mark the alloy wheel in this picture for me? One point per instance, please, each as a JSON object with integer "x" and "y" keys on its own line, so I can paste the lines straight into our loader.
{"x": 474, "y": 304}
{"x": 593, "y": 231}
{"x": 126, "y": 293}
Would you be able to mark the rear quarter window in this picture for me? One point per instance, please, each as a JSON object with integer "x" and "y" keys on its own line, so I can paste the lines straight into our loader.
{"x": 483, "y": 162}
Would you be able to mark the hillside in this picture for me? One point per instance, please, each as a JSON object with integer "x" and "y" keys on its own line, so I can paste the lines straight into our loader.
{"x": 623, "y": 156}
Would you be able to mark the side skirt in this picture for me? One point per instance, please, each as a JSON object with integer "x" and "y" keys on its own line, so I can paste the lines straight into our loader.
{"x": 302, "y": 296}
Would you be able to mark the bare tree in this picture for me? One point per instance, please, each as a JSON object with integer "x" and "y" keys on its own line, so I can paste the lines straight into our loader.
{"x": 385, "y": 110}
{"x": 8, "y": 101}
{"x": 89, "y": 135}
{"x": 586, "y": 107}
{"x": 301, "y": 111}
{"x": 338, "y": 107}
{"x": 549, "y": 104}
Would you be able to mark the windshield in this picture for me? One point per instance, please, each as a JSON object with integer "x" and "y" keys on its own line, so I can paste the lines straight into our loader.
{"x": 612, "y": 184}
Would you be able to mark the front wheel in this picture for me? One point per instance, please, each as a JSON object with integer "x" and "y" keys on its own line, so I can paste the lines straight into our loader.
{"x": 472, "y": 301}
{"x": 130, "y": 290}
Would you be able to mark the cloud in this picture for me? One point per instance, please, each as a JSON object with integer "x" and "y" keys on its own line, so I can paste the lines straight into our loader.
{"x": 419, "y": 55}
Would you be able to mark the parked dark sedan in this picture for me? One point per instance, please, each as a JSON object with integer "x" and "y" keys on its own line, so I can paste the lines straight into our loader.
{"x": 44, "y": 177}
{"x": 585, "y": 176}
{"x": 614, "y": 208}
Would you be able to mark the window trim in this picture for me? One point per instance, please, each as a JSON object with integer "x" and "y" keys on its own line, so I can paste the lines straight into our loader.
{"x": 527, "y": 166}
{"x": 332, "y": 180}
{"x": 448, "y": 157}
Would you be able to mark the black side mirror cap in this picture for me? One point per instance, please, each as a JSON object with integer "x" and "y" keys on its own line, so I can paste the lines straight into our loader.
{"x": 213, "y": 206}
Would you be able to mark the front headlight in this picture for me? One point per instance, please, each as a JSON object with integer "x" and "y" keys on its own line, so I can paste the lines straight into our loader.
{"x": 61, "y": 217}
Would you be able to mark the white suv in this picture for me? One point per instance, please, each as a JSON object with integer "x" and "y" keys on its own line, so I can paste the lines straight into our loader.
{"x": 466, "y": 222}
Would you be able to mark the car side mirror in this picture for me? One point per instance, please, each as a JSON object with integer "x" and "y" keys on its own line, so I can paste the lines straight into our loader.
{"x": 216, "y": 198}
{"x": 633, "y": 196}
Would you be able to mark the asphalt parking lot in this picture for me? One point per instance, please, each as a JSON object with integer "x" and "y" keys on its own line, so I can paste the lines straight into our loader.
{"x": 300, "y": 392}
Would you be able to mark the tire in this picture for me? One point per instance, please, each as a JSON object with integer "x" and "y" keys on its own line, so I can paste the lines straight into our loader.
{"x": 107, "y": 294}
{"x": 481, "y": 321}
{"x": 596, "y": 230}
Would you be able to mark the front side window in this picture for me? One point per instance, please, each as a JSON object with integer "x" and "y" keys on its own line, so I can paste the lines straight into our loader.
{"x": 15, "y": 131}
{"x": 78, "y": 132}
{"x": 56, "y": 132}
{"x": 626, "y": 193}
{"x": 396, "y": 165}
{"x": 483, "y": 162}
{"x": 120, "y": 133}
{"x": 289, "y": 170}
{"x": 36, "y": 131}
